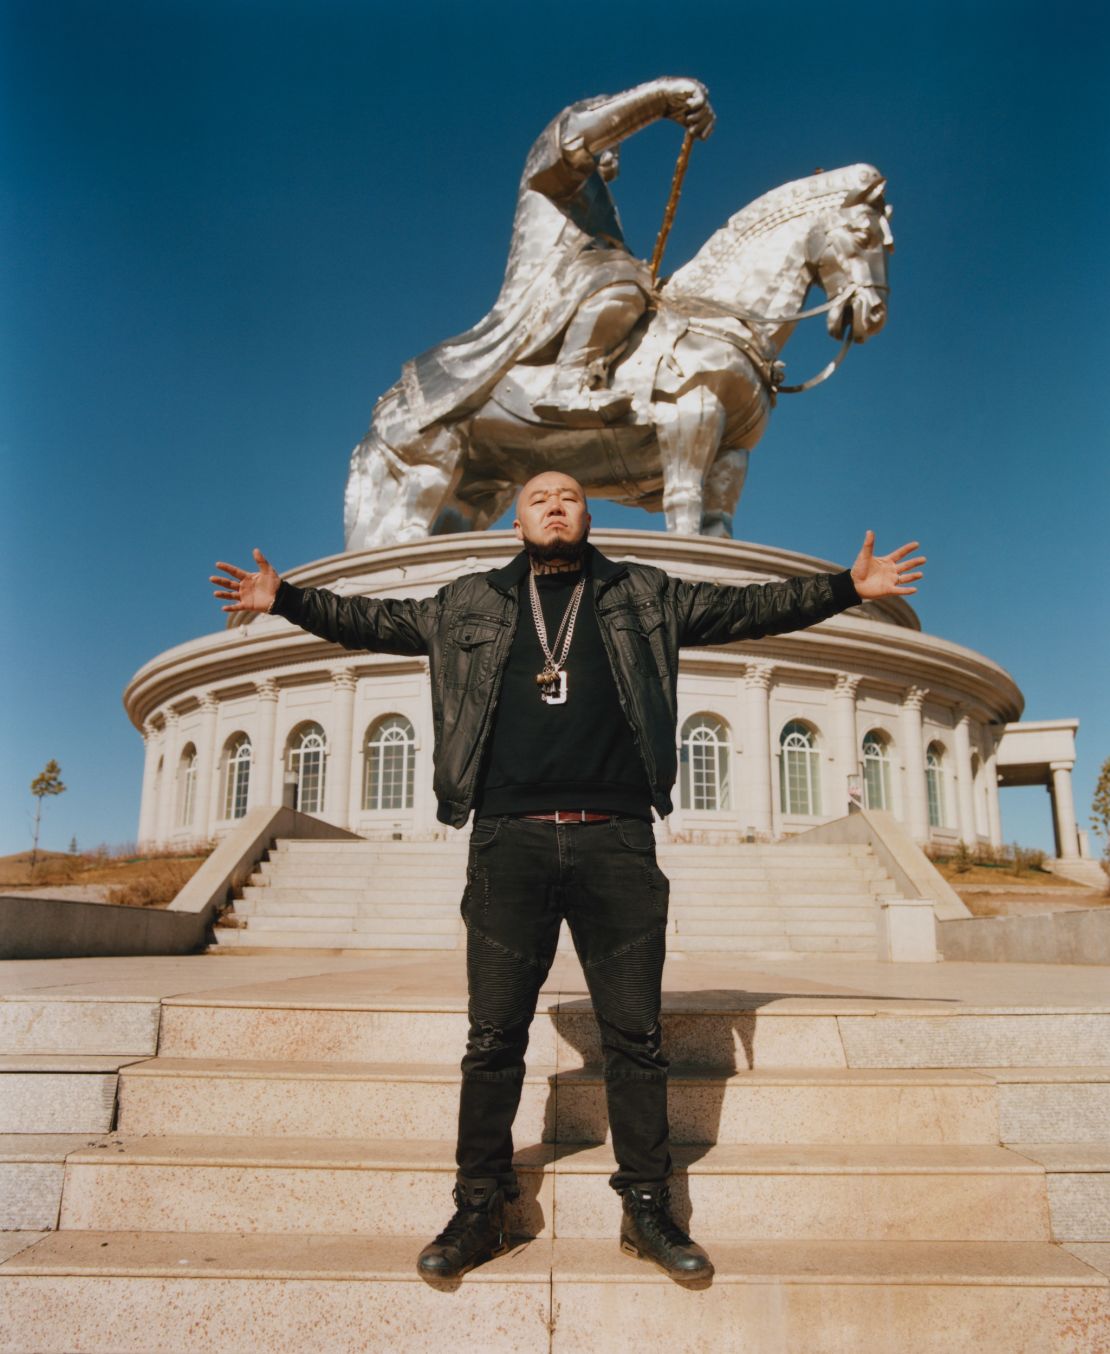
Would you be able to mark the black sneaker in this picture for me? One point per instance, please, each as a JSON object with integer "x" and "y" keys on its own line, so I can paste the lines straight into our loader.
{"x": 650, "y": 1233}
{"x": 475, "y": 1234}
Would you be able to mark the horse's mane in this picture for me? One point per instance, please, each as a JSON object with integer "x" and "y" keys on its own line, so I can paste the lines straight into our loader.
{"x": 802, "y": 197}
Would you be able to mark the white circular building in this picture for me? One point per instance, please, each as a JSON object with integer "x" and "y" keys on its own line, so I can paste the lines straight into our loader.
{"x": 776, "y": 735}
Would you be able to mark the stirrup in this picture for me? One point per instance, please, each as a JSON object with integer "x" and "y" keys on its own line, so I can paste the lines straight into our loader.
{"x": 576, "y": 405}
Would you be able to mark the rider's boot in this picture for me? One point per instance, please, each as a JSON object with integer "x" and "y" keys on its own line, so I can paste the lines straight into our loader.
{"x": 475, "y": 1233}
{"x": 578, "y": 396}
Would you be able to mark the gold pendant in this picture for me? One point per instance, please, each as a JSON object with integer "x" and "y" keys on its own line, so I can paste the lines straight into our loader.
{"x": 552, "y": 696}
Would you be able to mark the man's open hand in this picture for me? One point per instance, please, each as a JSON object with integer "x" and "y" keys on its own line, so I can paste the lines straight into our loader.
{"x": 247, "y": 592}
{"x": 883, "y": 575}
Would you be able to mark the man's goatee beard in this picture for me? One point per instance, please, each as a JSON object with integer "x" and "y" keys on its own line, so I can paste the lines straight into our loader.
{"x": 566, "y": 552}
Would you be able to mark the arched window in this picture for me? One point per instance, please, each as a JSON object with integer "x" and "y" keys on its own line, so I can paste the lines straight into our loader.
{"x": 934, "y": 784}
{"x": 876, "y": 771}
{"x": 800, "y": 779}
{"x": 307, "y": 760}
{"x": 390, "y": 764}
{"x": 186, "y": 785}
{"x": 237, "y": 775}
{"x": 703, "y": 763}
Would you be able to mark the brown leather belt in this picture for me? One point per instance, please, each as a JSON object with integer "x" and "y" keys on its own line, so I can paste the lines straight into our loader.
{"x": 568, "y": 816}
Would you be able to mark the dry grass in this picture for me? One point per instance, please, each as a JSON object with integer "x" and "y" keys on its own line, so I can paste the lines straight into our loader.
{"x": 1001, "y": 875}
{"x": 147, "y": 879}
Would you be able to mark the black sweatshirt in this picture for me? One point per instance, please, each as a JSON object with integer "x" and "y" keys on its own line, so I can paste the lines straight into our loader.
{"x": 580, "y": 755}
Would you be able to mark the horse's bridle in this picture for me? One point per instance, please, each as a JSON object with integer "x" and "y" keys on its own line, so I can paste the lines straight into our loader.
{"x": 749, "y": 317}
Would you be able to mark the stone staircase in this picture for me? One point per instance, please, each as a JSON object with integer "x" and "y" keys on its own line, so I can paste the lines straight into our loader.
{"x": 891, "y": 1176}
{"x": 768, "y": 901}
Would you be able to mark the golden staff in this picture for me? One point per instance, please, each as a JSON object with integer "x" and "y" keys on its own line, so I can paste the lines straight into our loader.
{"x": 672, "y": 203}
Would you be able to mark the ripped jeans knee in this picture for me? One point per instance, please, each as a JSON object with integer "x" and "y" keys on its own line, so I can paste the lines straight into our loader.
{"x": 495, "y": 1053}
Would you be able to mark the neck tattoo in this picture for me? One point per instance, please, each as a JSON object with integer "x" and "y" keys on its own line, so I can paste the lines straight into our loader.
{"x": 556, "y": 566}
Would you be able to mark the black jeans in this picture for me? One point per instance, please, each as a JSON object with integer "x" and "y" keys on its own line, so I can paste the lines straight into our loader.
{"x": 523, "y": 877}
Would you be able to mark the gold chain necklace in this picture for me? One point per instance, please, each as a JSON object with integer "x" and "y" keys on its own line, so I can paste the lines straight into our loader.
{"x": 552, "y": 681}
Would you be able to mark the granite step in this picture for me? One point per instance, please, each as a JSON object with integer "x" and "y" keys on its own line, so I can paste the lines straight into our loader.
{"x": 745, "y": 851}
{"x": 951, "y": 1192}
{"x": 718, "y": 1029}
{"x": 32, "y": 1167}
{"x": 326, "y": 940}
{"x": 34, "y": 1024}
{"x": 244, "y": 1097}
{"x": 96, "y": 1291}
{"x": 337, "y": 874}
{"x": 1078, "y": 1177}
{"x": 276, "y": 902}
{"x": 357, "y": 925}
{"x": 58, "y": 1093}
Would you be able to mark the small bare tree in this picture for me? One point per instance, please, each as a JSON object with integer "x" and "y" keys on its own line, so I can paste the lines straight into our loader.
{"x": 1100, "y": 814}
{"x": 47, "y": 782}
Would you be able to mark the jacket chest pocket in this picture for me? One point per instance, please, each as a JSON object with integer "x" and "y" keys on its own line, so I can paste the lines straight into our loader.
{"x": 469, "y": 653}
{"x": 639, "y": 638}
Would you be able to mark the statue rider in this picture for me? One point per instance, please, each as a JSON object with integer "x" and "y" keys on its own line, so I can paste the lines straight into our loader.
{"x": 569, "y": 271}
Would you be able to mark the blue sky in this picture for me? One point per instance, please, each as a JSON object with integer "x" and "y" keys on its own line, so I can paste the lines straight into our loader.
{"x": 227, "y": 224}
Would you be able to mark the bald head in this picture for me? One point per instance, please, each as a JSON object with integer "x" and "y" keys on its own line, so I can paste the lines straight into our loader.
{"x": 548, "y": 482}
{"x": 551, "y": 517}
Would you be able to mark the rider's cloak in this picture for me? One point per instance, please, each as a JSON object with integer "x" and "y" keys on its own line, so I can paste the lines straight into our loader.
{"x": 567, "y": 243}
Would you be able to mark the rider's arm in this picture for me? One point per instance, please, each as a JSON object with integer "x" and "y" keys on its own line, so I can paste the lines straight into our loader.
{"x": 583, "y": 131}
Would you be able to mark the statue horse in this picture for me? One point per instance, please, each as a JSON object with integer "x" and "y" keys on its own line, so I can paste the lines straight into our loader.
{"x": 702, "y": 368}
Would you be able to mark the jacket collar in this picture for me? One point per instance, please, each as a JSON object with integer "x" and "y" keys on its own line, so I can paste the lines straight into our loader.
{"x": 597, "y": 565}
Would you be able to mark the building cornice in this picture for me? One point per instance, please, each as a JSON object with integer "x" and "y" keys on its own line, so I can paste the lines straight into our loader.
{"x": 883, "y": 639}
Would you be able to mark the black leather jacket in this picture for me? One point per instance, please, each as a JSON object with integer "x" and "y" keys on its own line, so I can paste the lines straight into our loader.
{"x": 645, "y": 616}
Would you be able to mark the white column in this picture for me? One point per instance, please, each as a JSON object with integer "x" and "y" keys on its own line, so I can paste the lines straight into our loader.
{"x": 994, "y": 813}
{"x": 148, "y": 819}
{"x": 913, "y": 760}
{"x": 965, "y": 788}
{"x": 1063, "y": 806}
{"x": 207, "y": 754}
{"x": 167, "y": 808}
{"x": 844, "y": 754}
{"x": 757, "y": 745}
{"x": 262, "y": 760}
{"x": 338, "y": 799}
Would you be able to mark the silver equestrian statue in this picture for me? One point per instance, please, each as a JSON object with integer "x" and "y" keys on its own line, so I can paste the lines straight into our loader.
{"x": 650, "y": 395}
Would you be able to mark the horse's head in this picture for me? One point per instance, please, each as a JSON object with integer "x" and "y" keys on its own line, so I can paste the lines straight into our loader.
{"x": 847, "y": 249}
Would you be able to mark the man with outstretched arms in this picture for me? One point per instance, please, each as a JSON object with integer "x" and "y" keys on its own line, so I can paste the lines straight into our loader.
{"x": 554, "y": 686}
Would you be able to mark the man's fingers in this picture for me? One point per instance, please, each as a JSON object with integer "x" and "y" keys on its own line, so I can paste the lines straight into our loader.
{"x": 261, "y": 559}
{"x": 233, "y": 596}
{"x": 912, "y": 563}
{"x": 231, "y": 569}
{"x": 905, "y": 549}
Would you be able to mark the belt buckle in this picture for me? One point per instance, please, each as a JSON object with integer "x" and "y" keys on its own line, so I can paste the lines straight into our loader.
{"x": 572, "y": 816}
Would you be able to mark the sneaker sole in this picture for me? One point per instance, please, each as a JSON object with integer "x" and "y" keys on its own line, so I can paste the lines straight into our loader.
{"x": 482, "y": 1259}
{"x": 679, "y": 1275}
